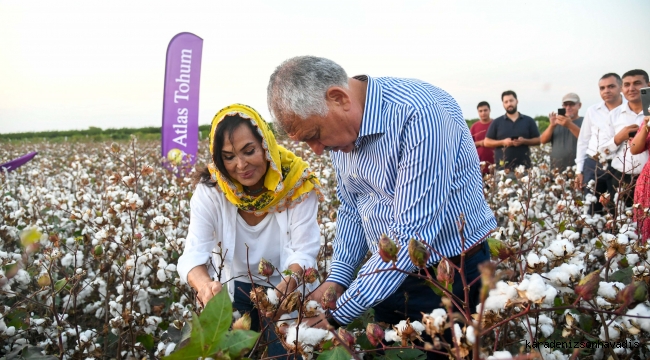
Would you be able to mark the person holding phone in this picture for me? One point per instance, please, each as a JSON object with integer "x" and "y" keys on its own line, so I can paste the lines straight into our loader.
{"x": 625, "y": 121}
{"x": 511, "y": 135}
{"x": 563, "y": 132}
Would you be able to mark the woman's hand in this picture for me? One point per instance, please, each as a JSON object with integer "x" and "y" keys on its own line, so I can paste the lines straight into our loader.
{"x": 200, "y": 280}
{"x": 208, "y": 290}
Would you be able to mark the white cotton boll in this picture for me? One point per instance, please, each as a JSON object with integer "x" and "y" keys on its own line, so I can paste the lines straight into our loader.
{"x": 470, "y": 335}
{"x": 11, "y": 331}
{"x": 501, "y": 355}
{"x": 622, "y": 239}
{"x": 640, "y": 310}
{"x": 632, "y": 259}
{"x": 499, "y": 296}
{"x": 418, "y": 327}
{"x": 170, "y": 347}
{"x": 608, "y": 290}
{"x": 306, "y": 335}
{"x": 546, "y": 325}
{"x": 162, "y": 277}
{"x": 571, "y": 235}
{"x": 614, "y": 333}
{"x": 534, "y": 287}
{"x": 555, "y": 355}
{"x": 559, "y": 248}
{"x": 391, "y": 336}
{"x": 458, "y": 333}
{"x": 564, "y": 274}
{"x": 67, "y": 260}
{"x": 272, "y": 296}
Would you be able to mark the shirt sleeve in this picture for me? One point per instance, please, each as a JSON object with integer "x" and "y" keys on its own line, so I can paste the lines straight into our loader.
{"x": 304, "y": 234}
{"x": 583, "y": 142}
{"x": 425, "y": 168}
{"x": 349, "y": 246}
{"x": 609, "y": 146}
{"x": 492, "y": 131}
{"x": 534, "y": 130}
{"x": 200, "y": 241}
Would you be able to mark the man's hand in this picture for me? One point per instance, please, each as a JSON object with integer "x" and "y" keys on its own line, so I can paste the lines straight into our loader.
{"x": 506, "y": 142}
{"x": 577, "y": 182}
{"x": 563, "y": 120}
{"x": 518, "y": 142}
{"x": 208, "y": 290}
{"x": 478, "y": 143}
{"x": 317, "y": 294}
{"x": 624, "y": 134}
{"x": 552, "y": 119}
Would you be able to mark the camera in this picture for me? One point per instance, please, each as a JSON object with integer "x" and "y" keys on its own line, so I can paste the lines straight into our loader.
{"x": 561, "y": 111}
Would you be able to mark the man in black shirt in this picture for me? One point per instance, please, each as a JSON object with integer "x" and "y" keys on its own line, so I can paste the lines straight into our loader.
{"x": 511, "y": 135}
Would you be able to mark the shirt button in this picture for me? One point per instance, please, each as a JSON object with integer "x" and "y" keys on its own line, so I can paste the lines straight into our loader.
{"x": 365, "y": 218}
{"x": 354, "y": 176}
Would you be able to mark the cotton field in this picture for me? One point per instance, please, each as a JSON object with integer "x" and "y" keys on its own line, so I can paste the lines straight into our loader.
{"x": 90, "y": 234}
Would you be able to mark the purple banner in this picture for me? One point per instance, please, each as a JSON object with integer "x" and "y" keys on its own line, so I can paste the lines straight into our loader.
{"x": 15, "y": 163}
{"x": 180, "y": 125}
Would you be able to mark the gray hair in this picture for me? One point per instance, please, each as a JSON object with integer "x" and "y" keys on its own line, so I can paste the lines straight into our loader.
{"x": 298, "y": 86}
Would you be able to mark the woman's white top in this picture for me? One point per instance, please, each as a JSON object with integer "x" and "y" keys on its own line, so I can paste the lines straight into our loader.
{"x": 262, "y": 241}
{"x": 214, "y": 227}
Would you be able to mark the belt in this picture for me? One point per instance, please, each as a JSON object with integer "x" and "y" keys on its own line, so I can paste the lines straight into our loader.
{"x": 475, "y": 249}
{"x": 468, "y": 254}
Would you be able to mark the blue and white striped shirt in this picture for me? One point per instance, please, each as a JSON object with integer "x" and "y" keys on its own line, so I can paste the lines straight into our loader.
{"x": 413, "y": 172}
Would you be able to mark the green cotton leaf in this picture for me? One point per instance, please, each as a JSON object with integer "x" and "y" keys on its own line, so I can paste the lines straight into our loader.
{"x": 405, "y": 354}
{"x": 557, "y": 302}
{"x": 364, "y": 343}
{"x": 622, "y": 275}
{"x": 586, "y": 322}
{"x": 562, "y": 226}
{"x": 435, "y": 289}
{"x": 339, "y": 353}
{"x": 146, "y": 340}
{"x": 197, "y": 346}
{"x": 238, "y": 342}
{"x": 215, "y": 320}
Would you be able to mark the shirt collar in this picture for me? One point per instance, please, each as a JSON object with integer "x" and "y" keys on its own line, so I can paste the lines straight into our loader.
{"x": 371, "y": 122}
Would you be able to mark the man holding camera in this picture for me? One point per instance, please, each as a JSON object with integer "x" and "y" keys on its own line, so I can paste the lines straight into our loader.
{"x": 511, "y": 135}
{"x": 563, "y": 131}
{"x": 625, "y": 121}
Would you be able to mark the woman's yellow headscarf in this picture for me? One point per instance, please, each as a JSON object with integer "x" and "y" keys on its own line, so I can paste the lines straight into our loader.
{"x": 288, "y": 179}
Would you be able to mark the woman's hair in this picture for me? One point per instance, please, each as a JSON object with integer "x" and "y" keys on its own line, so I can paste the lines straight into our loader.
{"x": 225, "y": 128}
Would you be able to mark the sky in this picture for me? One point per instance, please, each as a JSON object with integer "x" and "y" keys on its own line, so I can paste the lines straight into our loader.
{"x": 74, "y": 64}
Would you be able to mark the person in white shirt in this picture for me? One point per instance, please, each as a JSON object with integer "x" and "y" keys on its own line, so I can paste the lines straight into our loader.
{"x": 625, "y": 121}
{"x": 256, "y": 201}
{"x": 591, "y": 164}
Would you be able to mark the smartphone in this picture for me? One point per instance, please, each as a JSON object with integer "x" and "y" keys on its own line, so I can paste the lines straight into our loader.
{"x": 632, "y": 134}
{"x": 561, "y": 111}
{"x": 645, "y": 100}
{"x": 514, "y": 138}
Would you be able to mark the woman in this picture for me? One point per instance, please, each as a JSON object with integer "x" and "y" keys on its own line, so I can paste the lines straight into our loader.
{"x": 641, "y": 143}
{"x": 256, "y": 200}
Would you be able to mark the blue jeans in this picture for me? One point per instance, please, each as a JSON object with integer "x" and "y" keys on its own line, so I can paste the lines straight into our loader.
{"x": 415, "y": 297}
{"x": 243, "y": 304}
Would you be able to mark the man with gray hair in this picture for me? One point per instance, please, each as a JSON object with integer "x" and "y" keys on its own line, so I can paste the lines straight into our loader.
{"x": 406, "y": 166}
{"x": 563, "y": 132}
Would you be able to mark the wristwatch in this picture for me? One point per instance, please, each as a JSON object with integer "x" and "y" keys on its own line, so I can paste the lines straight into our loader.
{"x": 331, "y": 319}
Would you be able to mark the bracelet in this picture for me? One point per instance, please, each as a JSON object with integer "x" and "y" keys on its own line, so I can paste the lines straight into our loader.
{"x": 296, "y": 278}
